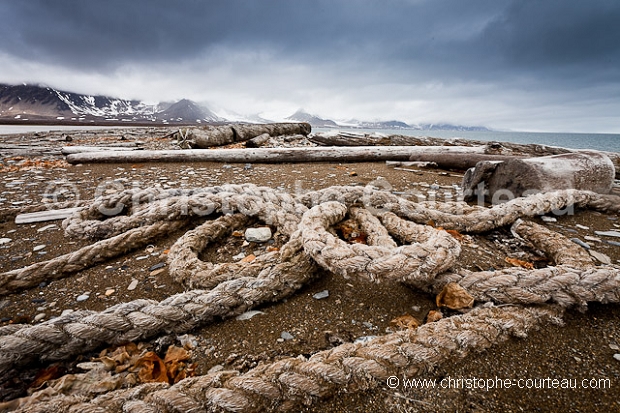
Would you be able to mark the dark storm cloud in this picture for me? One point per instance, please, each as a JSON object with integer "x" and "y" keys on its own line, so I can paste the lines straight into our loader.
{"x": 465, "y": 37}
{"x": 401, "y": 53}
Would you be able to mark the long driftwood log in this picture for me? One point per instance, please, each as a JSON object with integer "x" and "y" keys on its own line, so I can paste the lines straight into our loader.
{"x": 274, "y": 155}
{"x": 209, "y": 136}
{"x": 340, "y": 138}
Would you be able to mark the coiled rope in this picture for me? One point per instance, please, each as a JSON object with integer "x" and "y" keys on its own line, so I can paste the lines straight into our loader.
{"x": 127, "y": 218}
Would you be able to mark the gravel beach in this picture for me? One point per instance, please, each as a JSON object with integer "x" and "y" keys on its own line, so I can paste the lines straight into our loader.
{"x": 325, "y": 313}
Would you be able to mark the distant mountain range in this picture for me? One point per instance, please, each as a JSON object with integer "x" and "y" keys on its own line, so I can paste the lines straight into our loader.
{"x": 40, "y": 104}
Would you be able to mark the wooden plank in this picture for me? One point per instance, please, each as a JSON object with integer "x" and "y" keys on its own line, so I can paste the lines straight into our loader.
{"x": 43, "y": 216}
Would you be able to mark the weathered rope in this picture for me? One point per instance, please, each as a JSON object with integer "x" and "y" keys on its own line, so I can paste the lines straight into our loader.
{"x": 289, "y": 383}
{"x": 273, "y": 276}
{"x": 459, "y": 216}
{"x": 563, "y": 285}
{"x": 408, "y": 263}
{"x": 555, "y": 245}
{"x": 85, "y": 257}
{"x": 82, "y": 331}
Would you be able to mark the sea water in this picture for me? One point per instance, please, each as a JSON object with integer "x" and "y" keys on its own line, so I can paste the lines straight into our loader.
{"x": 598, "y": 141}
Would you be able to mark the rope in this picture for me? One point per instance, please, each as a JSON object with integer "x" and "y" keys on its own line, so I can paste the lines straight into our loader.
{"x": 127, "y": 219}
{"x": 83, "y": 331}
{"x": 408, "y": 263}
{"x": 289, "y": 383}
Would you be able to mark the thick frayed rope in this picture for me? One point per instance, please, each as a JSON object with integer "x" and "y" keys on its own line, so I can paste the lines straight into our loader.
{"x": 290, "y": 383}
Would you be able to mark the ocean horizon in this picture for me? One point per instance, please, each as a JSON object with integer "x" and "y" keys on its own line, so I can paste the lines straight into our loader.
{"x": 598, "y": 141}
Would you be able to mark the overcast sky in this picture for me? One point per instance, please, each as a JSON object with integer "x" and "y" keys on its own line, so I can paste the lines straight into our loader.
{"x": 543, "y": 65}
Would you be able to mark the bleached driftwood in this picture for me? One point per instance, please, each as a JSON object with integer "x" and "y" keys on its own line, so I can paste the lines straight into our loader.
{"x": 591, "y": 171}
{"x": 209, "y": 136}
{"x": 274, "y": 155}
{"x": 68, "y": 150}
{"x": 43, "y": 216}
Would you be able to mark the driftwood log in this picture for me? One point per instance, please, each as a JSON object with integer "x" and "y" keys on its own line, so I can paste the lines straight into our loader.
{"x": 587, "y": 170}
{"x": 209, "y": 136}
{"x": 275, "y": 155}
{"x": 492, "y": 148}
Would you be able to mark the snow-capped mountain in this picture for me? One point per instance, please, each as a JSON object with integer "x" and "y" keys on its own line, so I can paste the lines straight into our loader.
{"x": 315, "y": 121}
{"x": 44, "y": 104}
{"x": 40, "y": 104}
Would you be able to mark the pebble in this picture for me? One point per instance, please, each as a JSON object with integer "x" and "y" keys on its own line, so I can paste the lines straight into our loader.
{"x": 157, "y": 266}
{"x": 82, "y": 297}
{"x": 364, "y": 339}
{"x": 614, "y": 243}
{"x": 5, "y": 241}
{"x": 65, "y": 312}
{"x": 109, "y": 292}
{"x": 262, "y": 234}
{"x": 321, "y": 295}
{"x": 617, "y": 356}
{"x": 132, "y": 286}
{"x": 285, "y": 335}
{"x": 614, "y": 347}
{"x": 608, "y": 233}
{"x": 248, "y": 314}
{"x": 582, "y": 227}
{"x": 593, "y": 239}
{"x": 548, "y": 219}
{"x": 39, "y": 247}
{"x": 600, "y": 256}
{"x": 39, "y": 317}
{"x": 581, "y": 243}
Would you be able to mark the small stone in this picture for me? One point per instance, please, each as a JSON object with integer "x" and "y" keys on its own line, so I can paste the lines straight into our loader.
{"x": 82, "y": 297}
{"x": 262, "y": 234}
{"x": 600, "y": 256}
{"x": 548, "y": 219}
{"x": 109, "y": 292}
{"x": 617, "y": 356}
{"x": 239, "y": 256}
{"x": 593, "y": 239}
{"x": 247, "y": 166}
{"x": 66, "y": 312}
{"x": 39, "y": 248}
{"x": 364, "y": 339}
{"x": 582, "y": 227}
{"x": 157, "y": 266}
{"x": 39, "y": 317}
{"x": 321, "y": 295}
{"x": 157, "y": 272}
{"x": 143, "y": 257}
{"x": 285, "y": 335}
{"x": 581, "y": 243}
{"x": 248, "y": 314}
{"x": 608, "y": 233}
{"x": 614, "y": 347}
{"x": 132, "y": 286}
{"x": 614, "y": 243}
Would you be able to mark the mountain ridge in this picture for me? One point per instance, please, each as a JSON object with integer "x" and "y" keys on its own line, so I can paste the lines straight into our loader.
{"x": 43, "y": 104}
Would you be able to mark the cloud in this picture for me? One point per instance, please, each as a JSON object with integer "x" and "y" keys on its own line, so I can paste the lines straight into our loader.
{"x": 474, "y": 62}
